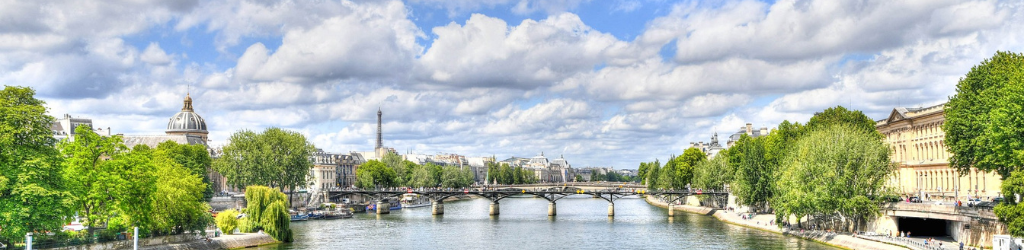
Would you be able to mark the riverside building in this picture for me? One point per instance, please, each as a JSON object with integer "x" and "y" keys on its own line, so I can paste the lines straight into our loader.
{"x": 917, "y": 143}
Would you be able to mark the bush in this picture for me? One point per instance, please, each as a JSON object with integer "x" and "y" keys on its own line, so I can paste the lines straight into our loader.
{"x": 227, "y": 221}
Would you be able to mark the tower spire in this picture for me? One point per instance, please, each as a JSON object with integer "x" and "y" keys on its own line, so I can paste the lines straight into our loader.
{"x": 380, "y": 138}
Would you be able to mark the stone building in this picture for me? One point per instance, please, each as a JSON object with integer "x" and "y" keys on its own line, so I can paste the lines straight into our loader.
{"x": 749, "y": 131}
{"x": 917, "y": 141}
{"x": 64, "y": 128}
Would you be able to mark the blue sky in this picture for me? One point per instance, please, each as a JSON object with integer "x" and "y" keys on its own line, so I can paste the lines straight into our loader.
{"x": 605, "y": 83}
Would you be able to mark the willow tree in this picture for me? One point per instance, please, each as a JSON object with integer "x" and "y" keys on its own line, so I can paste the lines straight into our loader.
{"x": 267, "y": 209}
{"x": 837, "y": 172}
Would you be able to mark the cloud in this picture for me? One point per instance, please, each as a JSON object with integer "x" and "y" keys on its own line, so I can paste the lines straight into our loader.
{"x": 526, "y": 77}
{"x": 371, "y": 41}
{"x": 487, "y": 52}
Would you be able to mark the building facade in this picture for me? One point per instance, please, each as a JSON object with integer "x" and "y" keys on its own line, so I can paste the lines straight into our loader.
{"x": 917, "y": 144}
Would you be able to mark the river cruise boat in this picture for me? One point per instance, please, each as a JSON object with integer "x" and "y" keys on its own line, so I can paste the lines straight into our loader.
{"x": 414, "y": 200}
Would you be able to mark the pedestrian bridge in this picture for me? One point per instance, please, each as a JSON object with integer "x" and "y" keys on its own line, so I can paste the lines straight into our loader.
{"x": 551, "y": 194}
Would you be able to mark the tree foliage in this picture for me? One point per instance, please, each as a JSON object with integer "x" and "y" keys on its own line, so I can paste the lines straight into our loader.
{"x": 714, "y": 173}
{"x": 834, "y": 172}
{"x": 1010, "y": 211}
{"x": 507, "y": 175}
{"x": 375, "y": 174}
{"x": 227, "y": 221}
{"x": 267, "y": 209}
{"x": 179, "y": 201}
{"x": 985, "y": 118}
{"x": 194, "y": 158}
{"x": 275, "y": 157}
{"x": 754, "y": 179}
{"x": 33, "y": 195}
{"x": 839, "y": 115}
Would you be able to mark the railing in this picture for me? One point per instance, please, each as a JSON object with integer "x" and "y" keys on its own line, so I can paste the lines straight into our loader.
{"x": 907, "y": 242}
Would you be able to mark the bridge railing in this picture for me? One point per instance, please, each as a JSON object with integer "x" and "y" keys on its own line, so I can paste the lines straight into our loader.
{"x": 975, "y": 212}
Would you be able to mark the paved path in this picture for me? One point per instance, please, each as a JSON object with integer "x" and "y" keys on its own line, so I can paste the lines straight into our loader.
{"x": 763, "y": 222}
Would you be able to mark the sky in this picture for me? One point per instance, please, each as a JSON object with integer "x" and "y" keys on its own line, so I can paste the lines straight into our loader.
{"x": 600, "y": 82}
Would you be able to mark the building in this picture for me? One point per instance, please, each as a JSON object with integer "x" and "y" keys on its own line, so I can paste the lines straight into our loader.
{"x": 544, "y": 170}
{"x": 918, "y": 146}
{"x": 710, "y": 149}
{"x": 64, "y": 128}
{"x": 749, "y": 131}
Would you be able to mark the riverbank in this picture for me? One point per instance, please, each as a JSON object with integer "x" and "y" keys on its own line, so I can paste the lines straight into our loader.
{"x": 763, "y": 222}
{"x": 234, "y": 241}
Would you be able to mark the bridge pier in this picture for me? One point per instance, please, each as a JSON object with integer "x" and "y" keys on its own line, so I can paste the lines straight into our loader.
{"x": 611, "y": 209}
{"x": 495, "y": 209}
{"x": 671, "y": 210}
{"x": 383, "y": 207}
{"x": 437, "y": 208}
{"x": 551, "y": 209}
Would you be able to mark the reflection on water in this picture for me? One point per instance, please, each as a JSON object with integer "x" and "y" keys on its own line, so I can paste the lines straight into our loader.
{"x": 524, "y": 224}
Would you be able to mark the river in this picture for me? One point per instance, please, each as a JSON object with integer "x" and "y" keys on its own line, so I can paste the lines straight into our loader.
{"x": 581, "y": 223}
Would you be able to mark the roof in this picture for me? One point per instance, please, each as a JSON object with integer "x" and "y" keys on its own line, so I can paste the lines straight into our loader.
{"x": 901, "y": 113}
{"x": 153, "y": 140}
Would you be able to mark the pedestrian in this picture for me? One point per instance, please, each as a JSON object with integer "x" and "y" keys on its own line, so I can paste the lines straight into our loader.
{"x": 961, "y": 245}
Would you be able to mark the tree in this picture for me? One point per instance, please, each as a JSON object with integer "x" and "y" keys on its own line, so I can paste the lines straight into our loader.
{"x": 834, "y": 172}
{"x": 91, "y": 169}
{"x": 983, "y": 122}
{"x": 685, "y": 165}
{"x": 1010, "y": 211}
{"x": 267, "y": 209}
{"x": 179, "y": 202}
{"x": 754, "y": 180}
{"x": 714, "y": 173}
{"x": 275, "y": 157}
{"x": 641, "y": 172}
{"x": 194, "y": 158}
{"x": 227, "y": 221}
{"x": 374, "y": 174}
{"x": 840, "y": 115}
{"x": 653, "y": 169}
{"x": 33, "y": 195}
{"x": 395, "y": 161}
{"x": 420, "y": 177}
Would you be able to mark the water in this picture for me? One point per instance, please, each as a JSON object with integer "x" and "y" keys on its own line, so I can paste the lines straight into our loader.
{"x": 581, "y": 223}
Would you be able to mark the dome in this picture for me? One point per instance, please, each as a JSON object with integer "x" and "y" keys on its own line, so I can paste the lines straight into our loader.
{"x": 187, "y": 120}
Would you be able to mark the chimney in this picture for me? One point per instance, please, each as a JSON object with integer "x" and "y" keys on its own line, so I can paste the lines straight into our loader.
{"x": 764, "y": 131}
{"x": 750, "y": 130}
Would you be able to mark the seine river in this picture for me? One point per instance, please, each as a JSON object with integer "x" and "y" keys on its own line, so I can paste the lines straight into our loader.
{"x": 581, "y": 223}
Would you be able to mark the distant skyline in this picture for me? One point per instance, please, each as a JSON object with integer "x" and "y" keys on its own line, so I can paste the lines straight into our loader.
{"x": 605, "y": 83}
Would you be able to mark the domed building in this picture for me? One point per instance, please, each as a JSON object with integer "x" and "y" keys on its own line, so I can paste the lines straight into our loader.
{"x": 187, "y": 122}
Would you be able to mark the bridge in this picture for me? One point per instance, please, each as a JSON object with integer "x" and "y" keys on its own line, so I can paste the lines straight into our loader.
{"x": 495, "y": 195}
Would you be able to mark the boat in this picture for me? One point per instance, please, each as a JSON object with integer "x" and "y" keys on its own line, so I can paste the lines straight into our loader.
{"x": 300, "y": 217}
{"x": 414, "y": 200}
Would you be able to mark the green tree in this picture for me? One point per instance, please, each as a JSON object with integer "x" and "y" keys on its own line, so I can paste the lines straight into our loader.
{"x": 642, "y": 172}
{"x": 754, "y": 179}
{"x": 395, "y": 161}
{"x": 194, "y": 158}
{"x": 714, "y": 173}
{"x": 33, "y": 195}
{"x": 275, "y": 157}
{"x": 179, "y": 200}
{"x": 685, "y": 165}
{"x": 840, "y": 115}
{"x": 1010, "y": 211}
{"x": 983, "y": 122}
{"x": 421, "y": 177}
{"x": 99, "y": 171}
{"x": 374, "y": 174}
{"x": 227, "y": 221}
{"x": 653, "y": 170}
{"x": 834, "y": 172}
{"x": 267, "y": 209}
